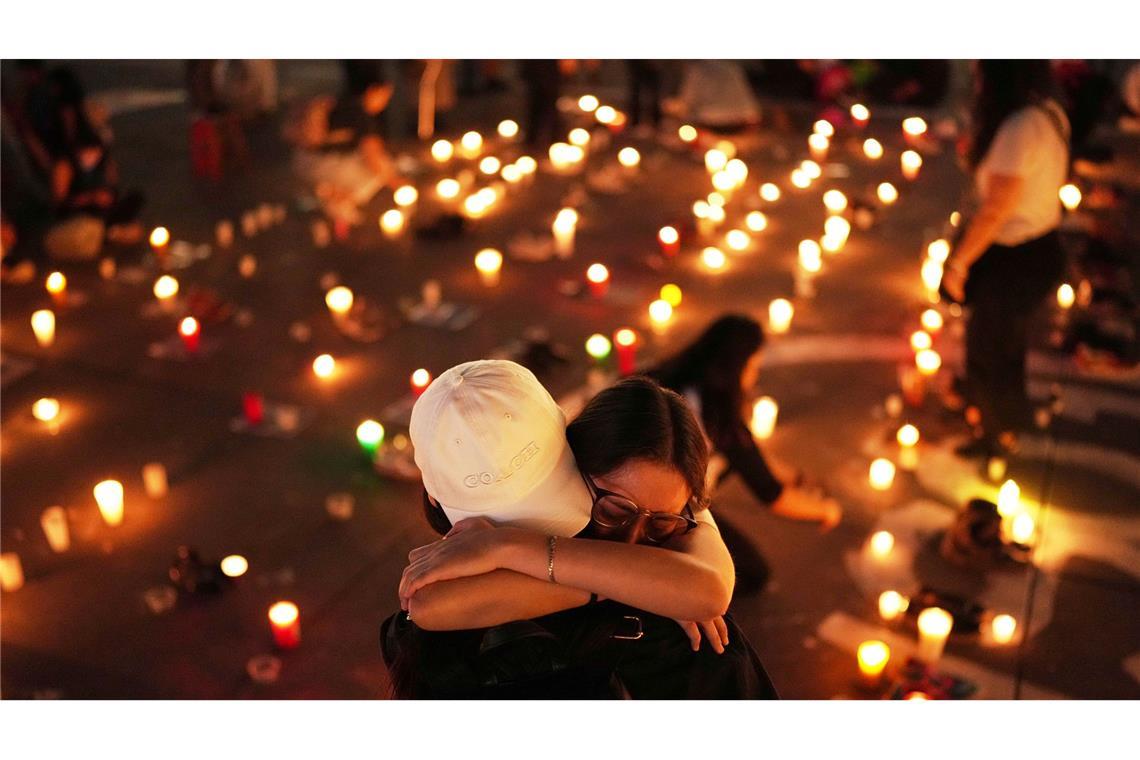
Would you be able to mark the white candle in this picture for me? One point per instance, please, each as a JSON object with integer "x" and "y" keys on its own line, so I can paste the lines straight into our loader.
{"x": 1022, "y": 528}
{"x": 392, "y": 222}
{"x": 881, "y": 474}
{"x": 11, "y": 572}
{"x": 887, "y": 193}
{"x": 46, "y": 410}
{"x": 1070, "y": 197}
{"x": 442, "y": 151}
{"x": 934, "y": 624}
{"x": 154, "y": 480}
{"x": 54, "y": 524}
{"x": 563, "y": 230}
{"x": 770, "y": 192}
{"x": 872, "y": 657}
{"x": 931, "y": 321}
{"x": 470, "y": 144}
{"x": 339, "y": 300}
{"x": 508, "y": 129}
{"x": 756, "y": 221}
{"x": 109, "y": 497}
{"x": 881, "y": 544}
{"x": 780, "y": 312}
{"x": 907, "y": 436}
{"x": 835, "y": 201}
{"x": 660, "y": 314}
{"x": 910, "y": 162}
{"x": 715, "y": 160}
{"x": 629, "y": 158}
{"x": 165, "y": 289}
{"x": 810, "y": 256}
{"x": 713, "y": 259}
{"x": 873, "y": 149}
{"x": 818, "y": 145}
{"x": 43, "y": 325}
{"x": 405, "y": 196}
{"x": 1066, "y": 296}
{"x": 1002, "y": 627}
{"x": 764, "y": 413}
{"x": 234, "y": 566}
{"x": 928, "y": 361}
{"x": 324, "y": 366}
{"x": 737, "y": 240}
{"x": 1009, "y": 498}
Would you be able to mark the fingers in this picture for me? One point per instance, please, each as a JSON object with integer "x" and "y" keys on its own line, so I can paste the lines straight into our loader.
{"x": 713, "y": 636}
{"x": 722, "y": 629}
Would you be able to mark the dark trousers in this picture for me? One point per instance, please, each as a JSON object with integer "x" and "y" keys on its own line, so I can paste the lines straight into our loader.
{"x": 1004, "y": 289}
{"x": 645, "y": 82}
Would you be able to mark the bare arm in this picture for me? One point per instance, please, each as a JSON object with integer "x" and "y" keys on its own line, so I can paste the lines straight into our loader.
{"x": 1004, "y": 192}
{"x": 691, "y": 578}
{"x": 490, "y": 599}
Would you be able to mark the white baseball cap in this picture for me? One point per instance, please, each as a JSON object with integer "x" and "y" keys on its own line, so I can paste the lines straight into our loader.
{"x": 491, "y": 442}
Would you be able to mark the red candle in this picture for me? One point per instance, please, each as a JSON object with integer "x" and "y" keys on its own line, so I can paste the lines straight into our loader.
{"x": 598, "y": 277}
{"x": 670, "y": 241}
{"x": 190, "y": 332}
{"x": 285, "y": 620}
{"x": 421, "y": 379}
{"x": 253, "y": 408}
{"x": 626, "y": 342}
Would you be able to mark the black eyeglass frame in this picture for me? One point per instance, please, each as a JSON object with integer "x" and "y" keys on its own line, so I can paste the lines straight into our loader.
{"x": 684, "y": 518}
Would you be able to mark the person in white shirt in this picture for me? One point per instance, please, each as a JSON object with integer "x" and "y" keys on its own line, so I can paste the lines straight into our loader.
{"x": 1009, "y": 256}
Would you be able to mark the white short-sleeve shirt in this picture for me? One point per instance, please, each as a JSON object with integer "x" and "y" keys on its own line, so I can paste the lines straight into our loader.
{"x": 1029, "y": 145}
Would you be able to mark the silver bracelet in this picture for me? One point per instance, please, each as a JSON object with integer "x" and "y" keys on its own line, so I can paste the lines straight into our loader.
{"x": 550, "y": 542}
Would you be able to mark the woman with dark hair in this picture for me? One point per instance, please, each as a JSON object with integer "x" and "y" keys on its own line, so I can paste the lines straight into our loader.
{"x": 1009, "y": 256}
{"x": 534, "y": 551}
{"x": 714, "y": 373}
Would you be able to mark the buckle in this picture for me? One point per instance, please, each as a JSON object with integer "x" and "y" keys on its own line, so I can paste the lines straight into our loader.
{"x": 635, "y": 622}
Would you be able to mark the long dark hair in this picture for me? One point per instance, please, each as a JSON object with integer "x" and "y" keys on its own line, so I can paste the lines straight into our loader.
{"x": 712, "y": 365}
{"x": 1004, "y": 87}
{"x": 638, "y": 419}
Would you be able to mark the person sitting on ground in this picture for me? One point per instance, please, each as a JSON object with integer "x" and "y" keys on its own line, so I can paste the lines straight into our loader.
{"x": 714, "y": 373}
{"x": 525, "y": 542}
{"x": 86, "y": 181}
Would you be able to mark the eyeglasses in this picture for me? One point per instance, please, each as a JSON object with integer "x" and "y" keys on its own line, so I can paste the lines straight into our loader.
{"x": 612, "y": 511}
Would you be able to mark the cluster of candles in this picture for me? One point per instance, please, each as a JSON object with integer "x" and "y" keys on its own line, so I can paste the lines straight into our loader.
{"x": 625, "y": 342}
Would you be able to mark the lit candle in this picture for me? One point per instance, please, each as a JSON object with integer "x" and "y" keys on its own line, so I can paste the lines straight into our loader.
{"x": 54, "y": 524}
{"x": 811, "y": 169}
{"x": 737, "y": 171}
{"x": 154, "y": 480}
{"x": 598, "y": 277}
{"x": 995, "y": 468}
{"x": 860, "y": 114}
{"x": 934, "y": 624}
{"x": 109, "y": 497}
{"x": 873, "y": 657}
{"x": 190, "y": 333}
{"x": 660, "y": 313}
{"x": 1070, "y": 197}
{"x": 527, "y": 165}
{"x": 764, "y": 413}
{"x": 892, "y": 606}
{"x": 598, "y": 347}
{"x": 159, "y": 239}
{"x": 508, "y": 129}
{"x": 723, "y": 182}
{"x": 669, "y": 240}
{"x": 405, "y": 196}
{"x": 687, "y": 133}
{"x": 420, "y": 380}
{"x": 1002, "y": 627}
{"x": 1009, "y": 499}
{"x": 46, "y": 410}
{"x": 490, "y": 165}
{"x": 882, "y": 474}
{"x": 818, "y": 145}
{"x": 512, "y": 174}
{"x": 907, "y": 436}
{"x": 715, "y": 160}
{"x": 252, "y": 408}
{"x": 629, "y": 158}
{"x": 285, "y": 620}
{"x": 470, "y": 144}
{"x": 339, "y": 300}
{"x": 800, "y": 179}
{"x": 835, "y": 201}
{"x": 931, "y": 321}
{"x": 920, "y": 340}
{"x": 247, "y": 266}
{"x": 442, "y": 151}
{"x": 823, "y": 127}
{"x": 872, "y": 149}
{"x": 234, "y": 566}
{"x": 887, "y": 193}
{"x": 931, "y": 275}
{"x": 737, "y": 240}
{"x": 448, "y": 189}
{"x": 914, "y": 127}
{"x": 324, "y": 366}
{"x": 837, "y": 227}
{"x": 56, "y": 285}
{"x": 625, "y": 340}
{"x": 770, "y": 192}
{"x": 392, "y": 222}
{"x": 43, "y": 325}
{"x": 713, "y": 259}
{"x": 917, "y": 696}
{"x": 928, "y": 361}
{"x": 938, "y": 250}
{"x": 1066, "y": 296}
{"x": 370, "y": 434}
{"x": 756, "y": 221}
{"x": 11, "y": 572}
{"x": 671, "y": 294}
{"x": 606, "y": 115}
{"x": 810, "y": 256}
{"x": 831, "y": 244}
{"x": 911, "y": 162}
{"x": 579, "y": 137}
{"x": 165, "y": 289}
{"x": 563, "y": 229}
{"x": 489, "y": 264}
{"x": 780, "y": 312}
{"x": 224, "y": 233}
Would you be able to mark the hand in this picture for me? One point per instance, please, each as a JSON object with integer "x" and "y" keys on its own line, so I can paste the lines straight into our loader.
{"x": 954, "y": 283}
{"x": 715, "y": 629}
{"x": 797, "y": 503}
{"x": 466, "y": 551}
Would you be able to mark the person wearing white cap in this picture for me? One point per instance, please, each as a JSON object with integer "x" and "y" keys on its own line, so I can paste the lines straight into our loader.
{"x": 492, "y": 447}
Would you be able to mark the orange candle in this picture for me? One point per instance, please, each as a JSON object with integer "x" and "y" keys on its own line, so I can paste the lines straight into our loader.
{"x": 57, "y": 286}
